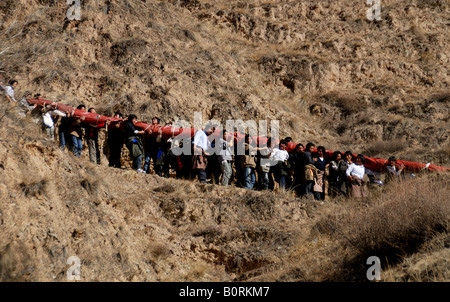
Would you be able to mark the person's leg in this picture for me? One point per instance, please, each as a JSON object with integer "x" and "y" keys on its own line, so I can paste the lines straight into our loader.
{"x": 80, "y": 146}
{"x": 282, "y": 182}
{"x": 309, "y": 188}
{"x": 223, "y": 167}
{"x": 62, "y": 140}
{"x": 271, "y": 178}
{"x": 52, "y": 133}
{"x": 74, "y": 144}
{"x": 159, "y": 170}
{"x": 48, "y": 132}
{"x": 289, "y": 181}
{"x": 92, "y": 152}
{"x": 154, "y": 157}
{"x": 202, "y": 175}
{"x": 147, "y": 164}
{"x": 298, "y": 186}
{"x": 115, "y": 151}
{"x": 317, "y": 196}
{"x": 240, "y": 176}
{"x": 264, "y": 180}
{"x": 118, "y": 157}
{"x": 247, "y": 177}
{"x": 166, "y": 169}
{"x": 97, "y": 152}
{"x": 253, "y": 177}
{"x": 138, "y": 163}
{"x": 226, "y": 172}
{"x": 363, "y": 190}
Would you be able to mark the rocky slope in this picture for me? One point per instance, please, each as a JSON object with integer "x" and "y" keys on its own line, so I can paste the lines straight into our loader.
{"x": 321, "y": 68}
{"x": 126, "y": 226}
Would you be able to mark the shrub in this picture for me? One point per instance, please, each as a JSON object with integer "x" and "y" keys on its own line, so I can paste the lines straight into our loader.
{"x": 394, "y": 225}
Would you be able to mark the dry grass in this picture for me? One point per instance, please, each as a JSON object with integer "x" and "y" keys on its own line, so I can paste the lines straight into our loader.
{"x": 398, "y": 223}
{"x": 348, "y": 103}
{"x": 182, "y": 230}
{"x": 382, "y": 148}
{"x": 442, "y": 155}
{"x": 393, "y": 226}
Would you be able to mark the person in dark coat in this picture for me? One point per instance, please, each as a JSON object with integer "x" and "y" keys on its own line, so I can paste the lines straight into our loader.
{"x": 134, "y": 142}
{"x": 115, "y": 141}
{"x": 306, "y": 187}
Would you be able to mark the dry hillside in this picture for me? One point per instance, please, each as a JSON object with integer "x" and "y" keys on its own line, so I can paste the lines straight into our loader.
{"x": 322, "y": 69}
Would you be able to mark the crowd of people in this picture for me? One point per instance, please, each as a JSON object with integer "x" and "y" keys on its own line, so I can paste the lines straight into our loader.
{"x": 307, "y": 170}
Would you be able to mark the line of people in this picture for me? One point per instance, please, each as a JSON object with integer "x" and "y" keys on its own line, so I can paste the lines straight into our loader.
{"x": 71, "y": 131}
{"x": 306, "y": 170}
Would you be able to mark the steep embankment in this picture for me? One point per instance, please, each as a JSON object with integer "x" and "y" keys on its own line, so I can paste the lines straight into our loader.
{"x": 321, "y": 68}
{"x": 128, "y": 226}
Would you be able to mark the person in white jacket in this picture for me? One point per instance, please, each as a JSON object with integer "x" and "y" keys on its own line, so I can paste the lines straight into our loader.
{"x": 9, "y": 91}
{"x": 355, "y": 174}
{"x": 48, "y": 119}
{"x": 201, "y": 144}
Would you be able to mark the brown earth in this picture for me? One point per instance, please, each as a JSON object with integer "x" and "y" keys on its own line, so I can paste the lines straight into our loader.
{"x": 322, "y": 69}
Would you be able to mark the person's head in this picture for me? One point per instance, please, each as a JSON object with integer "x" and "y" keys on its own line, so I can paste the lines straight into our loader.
{"x": 321, "y": 151}
{"x": 224, "y": 134}
{"x": 348, "y": 156}
{"x": 28, "y": 95}
{"x": 337, "y": 155}
{"x": 299, "y": 148}
{"x": 37, "y": 96}
{"x": 360, "y": 159}
{"x": 92, "y": 110}
{"x": 392, "y": 161}
{"x": 81, "y": 107}
{"x": 209, "y": 130}
{"x": 155, "y": 120}
{"x": 309, "y": 147}
{"x": 283, "y": 144}
{"x": 132, "y": 118}
{"x": 288, "y": 139}
{"x": 118, "y": 115}
{"x": 248, "y": 139}
{"x": 13, "y": 83}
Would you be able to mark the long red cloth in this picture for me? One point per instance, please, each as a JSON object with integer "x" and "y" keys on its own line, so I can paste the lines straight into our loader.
{"x": 372, "y": 163}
